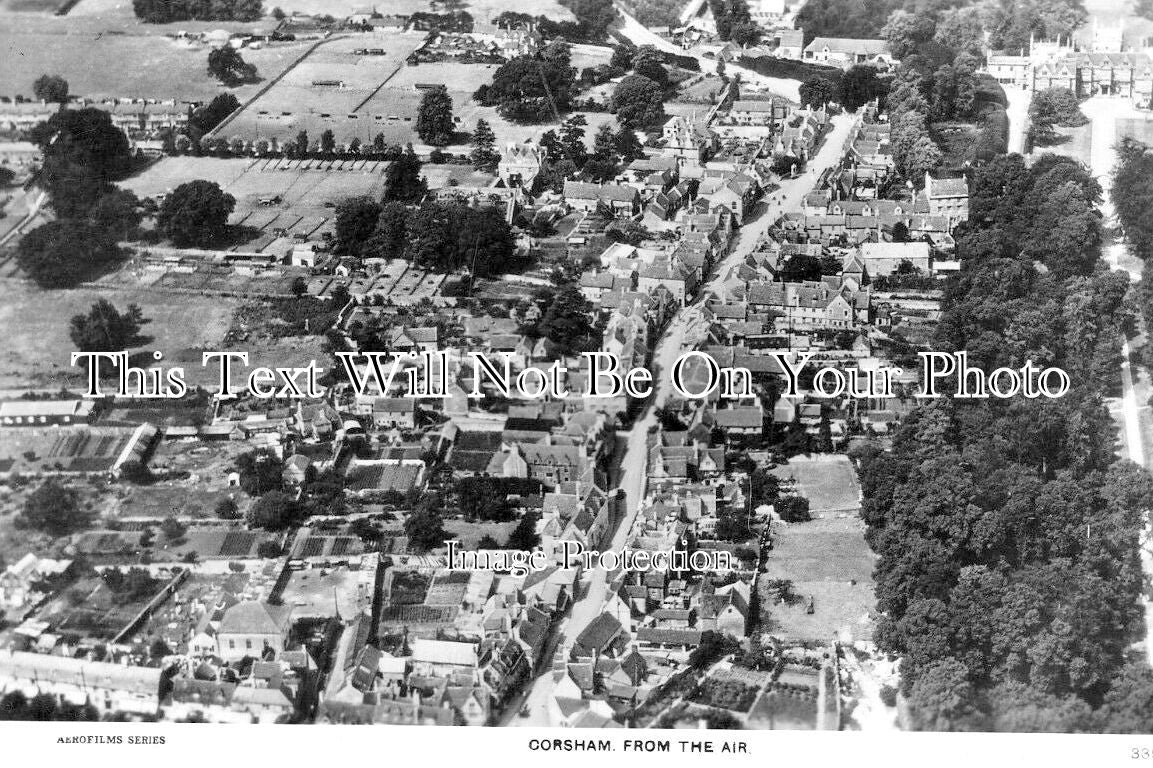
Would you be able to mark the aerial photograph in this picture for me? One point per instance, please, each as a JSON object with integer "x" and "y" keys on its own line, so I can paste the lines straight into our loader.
{"x": 766, "y": 365}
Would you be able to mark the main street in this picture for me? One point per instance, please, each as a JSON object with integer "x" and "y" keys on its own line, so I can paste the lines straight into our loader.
{"x": 634, "y": 463}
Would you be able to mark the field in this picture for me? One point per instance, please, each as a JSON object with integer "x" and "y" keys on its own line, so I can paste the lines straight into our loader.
{"x": 827, "y": 560}
{"x": 320, "y": 592}
{"x": 828, "y": 482}
{"x": 305, "y": 191}
{"x": 76, "y": 449}
{"x": 38, "y": 356}
{"x": 118, "y": 65}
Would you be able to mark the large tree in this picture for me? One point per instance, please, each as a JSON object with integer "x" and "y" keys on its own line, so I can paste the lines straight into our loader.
{"x": 434, "y": 123}
{"x": 196, "y": 214}
{"x": 402, "y": 178}
{"x": 859, "y": 85}
{"x": 52, "y": 88}
{"x": 66, "y": 252}
{"x": 83, "y": 153}
{"x": 104, "y": 329}
{"x": 54, "y": 509}
{"x": 567, "y": 321}
{"x": 229, "y": 67}
{"x": 817, "y": 91}
{"x": 424, "y": 525}
{"x": 485, "y": 155}
{"x": 638, "y": 102}
{"x": 355, "y": 222}
{"x": 531, "y": 89}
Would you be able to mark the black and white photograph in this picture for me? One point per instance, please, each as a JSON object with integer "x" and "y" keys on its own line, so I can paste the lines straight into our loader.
{"x": 681, "y": 367}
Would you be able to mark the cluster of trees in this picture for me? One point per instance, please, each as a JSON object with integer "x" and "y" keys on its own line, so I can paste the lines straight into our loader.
{"x": 533, "y": 88}
{"x": 593, "y": 19}
{"x": 942, "y": 23}
{"x": 444, "y": 236}
{"x": 105, "y": 329}
{"x": 84, "y": 153}
{"x": 55, "y": 510}
{"x": 567, "y": 321}
{"x": 638, "y": 102}
{"x": 734, "y": 22}
{"x": 656, "y": 13}
{"x": 45, "y": 707}
{"x": 1008, "y": 574}
{"x": 569, "y": 158}
{"x": 229, "y": 67}
{"x": 166, "y": 11}
{"x": 1053, "y": 106}
{"x": 487, "y": 498}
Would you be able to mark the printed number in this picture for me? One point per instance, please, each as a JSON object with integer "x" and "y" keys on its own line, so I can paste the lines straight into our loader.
{"x": 1141, "y": 753}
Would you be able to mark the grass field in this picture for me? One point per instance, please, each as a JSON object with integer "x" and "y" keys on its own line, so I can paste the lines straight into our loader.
{"x": 829, "y": 482}
{"x": 37, "y": 350}
{"x": 827, "y": 560}
{"x": 98, "y": 65}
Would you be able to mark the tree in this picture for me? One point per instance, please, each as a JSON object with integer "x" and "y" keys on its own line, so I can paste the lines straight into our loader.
{"x": 66, "y": 252}
{"x": 817, "y": 91}
{"x": 205, "y": 118}
{"x": 269, "y": 549}
{"x": 260, "y": 471}
{"x": 1055, "y": 106}
{"x": 54, "y": 510}
{"x": 906, "y": 32}
{"x": 356, "y": 220}
{"x": 434, "y": 122}
{"x": 83, "y": 153}
{"x": 524, "y": 537}
{"x": 637, "y": 102}
{"x": 173, "y": 529}
{"x": 567, "y": 321}
{"x": 196, "y": 214}
{"x": 228, "y": 66}
{"x": 943, "y": 699}
{"x": 961, "y": 30}
{"x": 104, "y": 329}
{"x": 859, "y": 86}
{"x": 327, "y": 142}
{"x": 648, "y": 62}
{"x": 424, "y": 525}
{"x": 402, "y": 179}
{"x": 226, "y": 509}
{"x": 52, "y": 88}
{"x": 159, "y": 649}
{"x": 527, "y": 89}
{"x": 389, "y": 237}
{"x": 1132, "y": 194}
{"x": 274, "y": 511}
{"x": 485, "y": 156}
{"x": 117, "y": 212}
{"x": 1129, "y": 700}
{"x": 627, "y": 145}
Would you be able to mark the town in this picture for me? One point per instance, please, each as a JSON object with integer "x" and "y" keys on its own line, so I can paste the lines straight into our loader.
{"x": 734, "y": 364}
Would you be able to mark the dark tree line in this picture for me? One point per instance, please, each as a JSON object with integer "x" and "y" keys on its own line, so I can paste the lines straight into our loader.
{"x": 166, "y": 11}
{"x": 1008, "y": 573}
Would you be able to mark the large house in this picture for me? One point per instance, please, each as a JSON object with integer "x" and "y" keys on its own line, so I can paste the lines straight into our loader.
{"x": 585, "y": 196}
{"x": 253, "y": 629}
{"x": 844, "y": 52}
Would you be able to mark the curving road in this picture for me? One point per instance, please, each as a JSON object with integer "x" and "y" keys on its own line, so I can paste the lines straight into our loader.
{"x": 639, "y": 34}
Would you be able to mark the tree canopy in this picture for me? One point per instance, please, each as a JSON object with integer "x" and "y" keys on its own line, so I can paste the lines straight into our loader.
{"x": 196, "y": 214}
{"x": 104, "y": 329}
{"x": 54, "y": 509}
{"x": 66, "y": 252}
{"x": 434, "y": 122}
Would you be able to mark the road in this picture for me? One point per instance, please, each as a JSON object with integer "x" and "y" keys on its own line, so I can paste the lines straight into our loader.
{"x": 634, "y": 463}
{"x": 641, "y": 35}
{"x": 1018, "y": 114}
{"x": 1104, "y": 112}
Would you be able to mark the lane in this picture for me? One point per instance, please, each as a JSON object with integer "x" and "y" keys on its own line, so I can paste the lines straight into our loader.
{"x": 1104, "y": 112}
{"x": 634, "y": 463}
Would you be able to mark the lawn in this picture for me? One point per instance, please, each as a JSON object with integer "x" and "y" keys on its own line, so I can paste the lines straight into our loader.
{"x": 1140, "y": 129}
{"x": 38, "y": 349}
{"x": 1071, "y": 142}
{"x": 829, "y": 482}
{"x": 828, "y": 561}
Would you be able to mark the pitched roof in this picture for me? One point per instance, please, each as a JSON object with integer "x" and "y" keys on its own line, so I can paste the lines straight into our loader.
{"x": 255, "y": 618}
